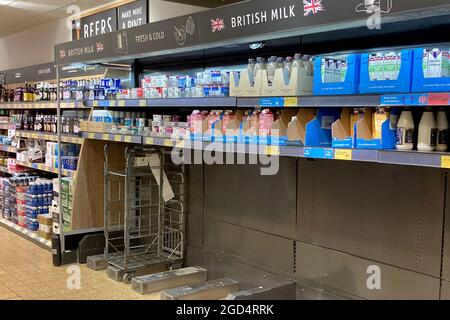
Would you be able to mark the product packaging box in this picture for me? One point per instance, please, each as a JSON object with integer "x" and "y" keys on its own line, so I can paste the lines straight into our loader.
{"x": 386, "y": 72}
{"x": 67, "y": 185}
{"x": 244, "y": 84}
{"x": 369, "y": 137}
{"x": 343, "y": 131}
{"x": 431, "y": 70}
{"x": 311, "y": 128}
{"x": 298, "y": 83}
{"x": 337, "y": 75}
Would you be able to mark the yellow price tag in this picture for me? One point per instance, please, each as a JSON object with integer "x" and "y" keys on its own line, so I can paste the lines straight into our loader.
{"x": 273, "y": 151}
{"x": 112, "y": 103}
{"x": 91, "y": 135}
{"x": 105, "y": 136}
{"x": 128, "y": 139}
{"x": 168, "y": 143}
{"x": 445, "y": 162}
{"x": 343, "y": 154}
{"x": 291, "y": 102}
{"x": 149, "y": 141}
{"x": 121, "y": 103}
{"x": 142, "y": 103}
{"x": 95, "y": 103}
{"x": 117, "y": 138}
{"x": 34, "y": 136}
{"x": 180, "y": 144}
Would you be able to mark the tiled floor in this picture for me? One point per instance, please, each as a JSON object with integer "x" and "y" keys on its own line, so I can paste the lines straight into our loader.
{"x": 27, "y": 273}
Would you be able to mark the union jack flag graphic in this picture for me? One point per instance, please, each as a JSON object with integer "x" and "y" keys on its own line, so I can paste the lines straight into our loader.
{"x": 217, "y": 24}
{"x": 423, "y": 100}
{"x": 312, "y": 6}
{"x": 99, "y": 46}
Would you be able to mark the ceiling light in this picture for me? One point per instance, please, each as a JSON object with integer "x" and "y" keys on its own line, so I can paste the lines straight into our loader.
{"x": 257, "y": 45}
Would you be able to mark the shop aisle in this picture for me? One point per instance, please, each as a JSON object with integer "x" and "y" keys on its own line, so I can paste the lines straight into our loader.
{"x": 26, "y": 273}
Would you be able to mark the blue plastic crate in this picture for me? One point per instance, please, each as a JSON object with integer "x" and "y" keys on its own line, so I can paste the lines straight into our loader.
{"x": 387, "y": 142}
{"x": 349, "y": 86}
{"x": 318, "y": 131}
{"x": 401, "y": 85}
{"x": 422, "y": 84}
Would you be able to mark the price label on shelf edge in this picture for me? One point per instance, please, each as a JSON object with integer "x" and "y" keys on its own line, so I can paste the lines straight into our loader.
{"x": 168, "y": 143}
{"x": 128, "y": 139}
{"x": 272, "y": 150}
{"x": 149, "y": 141}
{"x": 343, "y": 154}
{"x": 180, "y": 144}
{"x": 445, "y": 162}
{"x": 117, "y": 138}
{"x": 291, "y": 102}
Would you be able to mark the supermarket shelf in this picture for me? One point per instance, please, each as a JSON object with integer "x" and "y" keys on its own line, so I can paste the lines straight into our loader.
{"x": 310, "y": 101}
{"x": 112, "y": 137}
{"x": 49, "y": 136}
{"x": 42, "y": 105}
{"x": 6, "y": 126}
{"x": 412, "y": 158}
{"x": 42, "y": 167}
{"x": 6, "y": 170}
{"x": 166, "y": 103}
{"x": 8, "y": 148}
{"x": 25, "y": 233}
{"x": 409, "y": 99}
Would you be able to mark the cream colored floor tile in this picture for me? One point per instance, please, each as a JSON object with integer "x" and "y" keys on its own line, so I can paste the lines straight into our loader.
{"x": 26, "y": 272}
{"x": 7, "y": 295}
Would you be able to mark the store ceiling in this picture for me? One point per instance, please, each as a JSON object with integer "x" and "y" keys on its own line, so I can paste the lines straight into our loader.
{"x": 21, "y": 15}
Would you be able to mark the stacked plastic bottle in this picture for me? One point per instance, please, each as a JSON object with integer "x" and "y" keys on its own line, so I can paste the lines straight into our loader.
{"x": 39, "y": 198}
{"x": 13, "y": 190}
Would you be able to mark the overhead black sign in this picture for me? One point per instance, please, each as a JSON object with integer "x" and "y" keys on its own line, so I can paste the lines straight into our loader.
{"x": 239, "y": 23}
{"x": 255, "y": 18}
{"x": 164, "y": 35}
{"x": 132, "y": 14}
{"x": 96, "y": 25}
{"x": 42, "y": 72}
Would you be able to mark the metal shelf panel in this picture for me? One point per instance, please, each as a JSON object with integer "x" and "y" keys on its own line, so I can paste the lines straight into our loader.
{"x": 8, "y": 148}
{"x": 49, "y": 136}
{"x": 42, "y": 167}
{"x": 42, "y": 105}
{"x": 27, "y": 234}
{"x": 112, "y": 137}
{"x": 433, "y": 160}
{"x": 166, "y": 103}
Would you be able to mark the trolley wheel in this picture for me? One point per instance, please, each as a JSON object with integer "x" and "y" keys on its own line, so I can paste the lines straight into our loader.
{"x": 127, "y": 277}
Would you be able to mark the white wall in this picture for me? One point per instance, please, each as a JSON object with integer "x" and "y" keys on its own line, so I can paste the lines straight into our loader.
{"x": 32, "y": 47}
{"x": 36, "y": 46}
{"x": 161, "y": 10}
